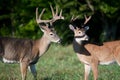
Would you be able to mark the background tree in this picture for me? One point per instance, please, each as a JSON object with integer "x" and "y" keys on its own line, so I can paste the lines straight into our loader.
{"x": 17, "y": 18}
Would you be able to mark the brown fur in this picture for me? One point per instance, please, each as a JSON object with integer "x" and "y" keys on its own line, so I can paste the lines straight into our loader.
{"x": 26, "y": 51}
{"x": 91, "y": 55}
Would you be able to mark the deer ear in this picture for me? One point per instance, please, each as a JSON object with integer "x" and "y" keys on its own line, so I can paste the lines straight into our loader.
{"x": 43, "y": 28}
{"x": 71, "y": 27}
{"x": 86, "y": 28}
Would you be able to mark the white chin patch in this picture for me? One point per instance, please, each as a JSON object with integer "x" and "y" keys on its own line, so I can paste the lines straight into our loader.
{"x": 57, "y": 41}
{"x": 85, "y": 38}
{"x": 9, "y": 61}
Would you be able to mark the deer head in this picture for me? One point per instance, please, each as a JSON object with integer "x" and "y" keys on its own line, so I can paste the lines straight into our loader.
{"x": 46, "y": 25}
{"x": 80, "y": 33}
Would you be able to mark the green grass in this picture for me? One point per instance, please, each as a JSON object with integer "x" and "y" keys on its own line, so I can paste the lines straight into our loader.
{"x": 59, "y": 63}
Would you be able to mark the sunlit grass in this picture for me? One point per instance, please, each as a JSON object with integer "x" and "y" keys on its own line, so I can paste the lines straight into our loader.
{"x": 59, "y": 63}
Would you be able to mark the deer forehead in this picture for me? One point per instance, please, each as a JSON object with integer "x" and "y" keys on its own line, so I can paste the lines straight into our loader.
{"x": 79, "y": 32}
{"x": 79, "y": 29}
{"x": 49, "y": 30}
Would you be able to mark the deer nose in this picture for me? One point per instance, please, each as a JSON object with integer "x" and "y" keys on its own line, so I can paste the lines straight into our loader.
{"x": 59, "y": 41}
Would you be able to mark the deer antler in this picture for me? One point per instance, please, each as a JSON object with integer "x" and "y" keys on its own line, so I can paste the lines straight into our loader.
{"x": 54, "y": 14}
{"x": 74, "y": 18}
{"x": 38, "y": 18}
{"x": 87, "y": 19}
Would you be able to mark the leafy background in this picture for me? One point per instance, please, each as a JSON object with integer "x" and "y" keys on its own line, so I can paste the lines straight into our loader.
{"x": 17, "y": 18}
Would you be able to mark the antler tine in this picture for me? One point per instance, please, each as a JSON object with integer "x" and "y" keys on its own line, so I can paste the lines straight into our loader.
{"x": 87, "y": 19}
{"x": 74, "y": 18}
{"x": 61, "y": 12}
{"x": 56, "y": 11}
{"x": 61, "y": 17}
{"x": 41, "y": 13}
{"x": 37, "y": 15}
{"x": 53, "y": 14}
{"x": 38, "y": 19}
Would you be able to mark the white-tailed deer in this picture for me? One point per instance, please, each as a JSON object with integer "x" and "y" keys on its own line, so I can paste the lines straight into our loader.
{"x": 91, "y": 55}
{"x": 26, "y": 51}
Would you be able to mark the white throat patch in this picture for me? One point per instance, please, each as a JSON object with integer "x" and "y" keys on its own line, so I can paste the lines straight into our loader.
{"x": 85, "y": 38}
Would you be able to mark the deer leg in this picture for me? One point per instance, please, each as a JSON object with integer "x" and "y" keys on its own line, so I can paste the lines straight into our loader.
{"x": 94, "y": 67}
{"x": 33, "y": 71}
{"x": 87, "y": 71}
{"x": 23, "y": 67}
{"x": 117, "y": 56}
{"x": 118, "y": 60}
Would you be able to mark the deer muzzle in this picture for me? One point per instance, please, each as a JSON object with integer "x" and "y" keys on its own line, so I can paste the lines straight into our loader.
{"x": 59, "y": 41}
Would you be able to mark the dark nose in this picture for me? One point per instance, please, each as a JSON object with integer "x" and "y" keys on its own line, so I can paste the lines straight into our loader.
{"x": 60, "y": 41}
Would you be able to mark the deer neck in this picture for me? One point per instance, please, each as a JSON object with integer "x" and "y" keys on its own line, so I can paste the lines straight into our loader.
{"x": 43, "y": 45}
{"x": 79, "y": 46}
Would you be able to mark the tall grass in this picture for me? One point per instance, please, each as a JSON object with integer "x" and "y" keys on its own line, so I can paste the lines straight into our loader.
{"x": 59, "y": 63}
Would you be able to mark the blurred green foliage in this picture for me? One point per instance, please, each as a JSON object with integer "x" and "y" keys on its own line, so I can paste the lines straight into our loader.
{"x": 17, "y": 18}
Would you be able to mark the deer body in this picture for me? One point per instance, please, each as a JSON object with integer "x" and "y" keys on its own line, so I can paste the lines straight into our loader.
{"x": 14, "y": 50}
{"x": 108, "y": 49}
{"x": 31, "y": 49}
{"x": 10, "y": 50}
{"x": 104, "y": 54}
{"x": 27, "y": 52}
{"x": 91, "y": 55}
